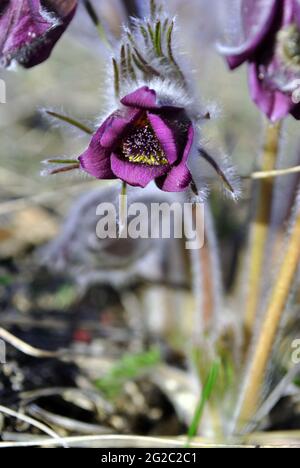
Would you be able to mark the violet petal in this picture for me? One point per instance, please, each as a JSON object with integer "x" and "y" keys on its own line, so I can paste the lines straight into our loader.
{"x": 165, "y": 136}
{"x": 96, "y": 159}
{"x": 28, "y": 33}
{"x": 275, "y": 104}
{"x": 133, "y": 174}
{"x": 143, "y": 98}
{"x": 256, "y": 21}
{"x": 179, "y": 178}
{"x": 118, "y": 126}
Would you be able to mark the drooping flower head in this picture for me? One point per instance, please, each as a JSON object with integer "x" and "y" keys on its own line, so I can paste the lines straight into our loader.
{"x": 150, "y": 134}
{"x": 151, "y": 131}
{"x": 29, "y": 29}
{"x": 143, "y": 140}
{"x": 269, "y": 40}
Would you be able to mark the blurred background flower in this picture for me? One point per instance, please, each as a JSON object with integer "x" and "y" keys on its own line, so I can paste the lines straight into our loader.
{"x": 269, "y": 40}
{"x": 30, "y": 29}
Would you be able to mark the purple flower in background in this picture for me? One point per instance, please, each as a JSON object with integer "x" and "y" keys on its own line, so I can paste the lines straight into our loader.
{"x": 141, "y": 142}
{"x": 29, "y": 29}
{"x": 269, "y": 41}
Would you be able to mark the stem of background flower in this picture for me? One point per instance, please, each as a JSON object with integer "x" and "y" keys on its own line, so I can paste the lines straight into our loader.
{"x": 96, "y": 21}
{"x": 268, "y": 331}
{"x": 260, "y": 226}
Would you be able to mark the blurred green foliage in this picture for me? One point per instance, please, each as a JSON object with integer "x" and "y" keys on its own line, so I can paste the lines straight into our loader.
{"x": 130, "y": 367}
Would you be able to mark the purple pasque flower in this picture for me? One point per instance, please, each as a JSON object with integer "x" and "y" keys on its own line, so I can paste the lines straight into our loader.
{"x": 152, "y": 133}
{"x": 29, "y": 29}
{"x": 141, "y": 142}
{"x": 270, "y": 43}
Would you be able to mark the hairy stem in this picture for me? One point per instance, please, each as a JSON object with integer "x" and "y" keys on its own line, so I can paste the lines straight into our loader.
{"x": 270, "y": 326}
{"x": 217, "y": 168}
{"x": 260, "y": 226}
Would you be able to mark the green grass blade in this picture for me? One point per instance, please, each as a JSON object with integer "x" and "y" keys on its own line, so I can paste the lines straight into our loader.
{"x": 206, "y": 395}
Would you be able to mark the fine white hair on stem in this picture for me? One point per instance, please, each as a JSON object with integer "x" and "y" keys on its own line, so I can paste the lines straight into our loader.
{"x": 202, "y": 193}
{"x": 169, "y": 92}
{"x": 234, "y": 180}
{"x": 69, "y": 167}
{"x": 59, "y": 118}
{"x": 213, "y": 109}
{"x": 206, "y": 169}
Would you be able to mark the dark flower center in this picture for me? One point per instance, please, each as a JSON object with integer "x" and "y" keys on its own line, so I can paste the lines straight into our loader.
{"x": 290, "y": 43}
{"x": 142, "y": 146}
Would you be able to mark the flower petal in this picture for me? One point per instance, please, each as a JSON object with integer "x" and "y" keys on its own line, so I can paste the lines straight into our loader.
{"x": 28, "y": 33}
{"x": 165, "y": 136}
{"x": 256, "y": 19}
{"x": 179, "y": 178}
{"x": 275, "y": 104}
{"x": 142, "y": 98}
{"x": 136, "y": 175}
{"x": 96, "y": 159}
{"x": 96, "y": 162}
{"x": 118, "y": 126}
